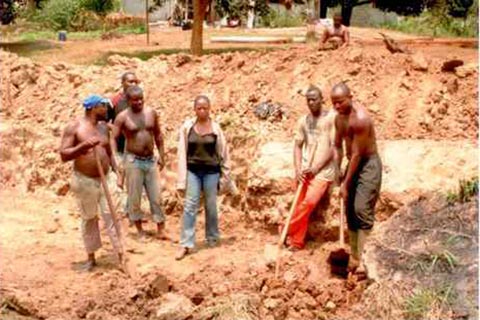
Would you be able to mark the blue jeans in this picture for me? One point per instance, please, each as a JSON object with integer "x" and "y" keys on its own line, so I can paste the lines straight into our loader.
{"x": 142, "y": 174}
{"x": 196, "y": 183}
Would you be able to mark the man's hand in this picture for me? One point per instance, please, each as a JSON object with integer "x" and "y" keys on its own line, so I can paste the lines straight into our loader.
{"x": 299, "y": 177}
{"x": 181, "y": 193}
{"x": 344, "y": 192}
{"x": 309, "y": 173}
{"x": 160, "y": 164}
{"x": 120, "y": 176}
{"x": 90, "y": 143}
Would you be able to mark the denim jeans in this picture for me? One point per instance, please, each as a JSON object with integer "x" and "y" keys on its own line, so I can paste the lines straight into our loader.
{"x": 196, "y": 183}
{"x": 142, "y": 173}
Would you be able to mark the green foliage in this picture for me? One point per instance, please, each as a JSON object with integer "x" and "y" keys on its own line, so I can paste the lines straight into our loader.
{"x": 239, "y": 8}
{"x": 282, "y": 19}
{"x": 430, "y": 302}
{"x": 57, "y": 14}
{"x": 467, "y": 189}
{"x": 438, "y": 23}
{"x": 78, "y": 15}
{"x": 101, "y": 7}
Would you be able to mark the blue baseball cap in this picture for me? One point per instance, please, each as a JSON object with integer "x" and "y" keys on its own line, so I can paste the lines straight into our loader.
{"x": 94, "y": 100}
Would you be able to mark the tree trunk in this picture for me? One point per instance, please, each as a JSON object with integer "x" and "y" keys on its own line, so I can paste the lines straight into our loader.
{"x": 316, "y": 8}
{"x": 347, "y": 7}
{"x": 323, "y": 9}
{"x": 196, "y": 44}
{"x": 31, "y": 5}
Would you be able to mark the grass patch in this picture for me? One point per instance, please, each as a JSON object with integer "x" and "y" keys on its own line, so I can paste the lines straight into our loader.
{"x": 437, "y": 260}
{"x": 282, "y": 19}
{"x": 430, "y": 303}
{"x": 433, "y": 24}
{"x": 38, "y": 35}
{"x": 467, "y": 189}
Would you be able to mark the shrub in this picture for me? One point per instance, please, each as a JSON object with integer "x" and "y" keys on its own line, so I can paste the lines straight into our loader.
{"x": 282, "y": 19}
{"x": 57, "y": 14}
{"x": 101, "y": 7}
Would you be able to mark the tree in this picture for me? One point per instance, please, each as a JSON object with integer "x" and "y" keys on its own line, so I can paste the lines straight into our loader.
{"x": 196, "y": 44}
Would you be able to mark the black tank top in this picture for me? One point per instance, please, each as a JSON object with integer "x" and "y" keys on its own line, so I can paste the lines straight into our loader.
{"x": 202, "y": 154}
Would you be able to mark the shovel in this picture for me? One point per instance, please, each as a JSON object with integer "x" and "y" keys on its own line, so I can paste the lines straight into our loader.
{"x": 125, "y": 262}
{"x": 290, "y": 215}
{"x": 338, "y": 258}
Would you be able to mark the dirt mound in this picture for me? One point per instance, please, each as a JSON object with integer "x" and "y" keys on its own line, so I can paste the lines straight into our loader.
{"x": 39, "y": 100}
{"x": 424, "y": 260}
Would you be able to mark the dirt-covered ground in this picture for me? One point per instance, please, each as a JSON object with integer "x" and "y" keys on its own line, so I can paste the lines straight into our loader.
{"x": 426, "y": 121}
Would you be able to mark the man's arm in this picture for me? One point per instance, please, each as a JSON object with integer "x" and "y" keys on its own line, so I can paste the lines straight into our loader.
{"x": 110, "y": 150}
{"x": 324, "y": 37}
{"x": 338, "y": 146}
{"x": 68, "y": 149}
{"x": 297, "y": 160}
{"x": 346, "y": 37}
{"x": 157, "y": 134}
{"x": 117, "y": 127}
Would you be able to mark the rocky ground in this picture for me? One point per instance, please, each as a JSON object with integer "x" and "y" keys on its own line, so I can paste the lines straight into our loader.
{"x": 426, "y": 121}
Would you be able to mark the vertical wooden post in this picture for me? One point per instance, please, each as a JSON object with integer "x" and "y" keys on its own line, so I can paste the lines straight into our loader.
{"x": 316, "y": 9}
{"x": 147, "y": 23}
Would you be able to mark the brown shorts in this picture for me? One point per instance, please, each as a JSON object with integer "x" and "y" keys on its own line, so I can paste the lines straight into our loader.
{"x": 364, "y": 193}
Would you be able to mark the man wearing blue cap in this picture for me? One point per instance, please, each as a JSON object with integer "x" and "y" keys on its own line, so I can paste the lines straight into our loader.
{"x": 142, "y": 130}
{"x": 78, "y": 142}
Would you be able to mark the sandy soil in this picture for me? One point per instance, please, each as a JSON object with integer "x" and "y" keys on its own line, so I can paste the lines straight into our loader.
{"x": 426, "y": 121}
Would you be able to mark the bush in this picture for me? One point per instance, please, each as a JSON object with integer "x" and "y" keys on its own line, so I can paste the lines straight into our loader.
{"x": 57, "y": 14}
{"x": 282, "y": 19}
{"x": 438, "y": 24}
{"x": 77, "y": 15}
{"x": 101, "y": 7}
{"x": 239, "y": 8}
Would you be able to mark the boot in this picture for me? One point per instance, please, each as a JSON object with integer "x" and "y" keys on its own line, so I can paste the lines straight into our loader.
{"x": 353, "y": 261}
{"x": 362, "y": 240}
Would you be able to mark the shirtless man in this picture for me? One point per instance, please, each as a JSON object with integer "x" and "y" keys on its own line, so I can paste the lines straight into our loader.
{"x": 79, "y": 140}
{"x": 120, "y": 103}
{"x": 338, "y": 36}
{"x": 361, "y": 184}
{"x": 141, "y": 129}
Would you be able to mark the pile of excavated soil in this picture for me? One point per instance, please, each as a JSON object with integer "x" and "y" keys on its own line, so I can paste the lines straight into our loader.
{"x": 424, "y": 260}
{"x": 408, "y": 96}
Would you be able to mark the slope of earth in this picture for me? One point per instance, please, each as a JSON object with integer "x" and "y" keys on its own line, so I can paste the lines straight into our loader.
{"x": 39, "y": 100}
{"x": 408, "y": 96}
{"x": 425, "y": 262}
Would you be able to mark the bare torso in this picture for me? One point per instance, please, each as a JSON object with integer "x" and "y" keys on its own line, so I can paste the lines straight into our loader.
{"x": 86, "y": 163}
{"x": 349, "y": 127}
{"x": 337, "y": 34}
{"x": 138, "y": 129}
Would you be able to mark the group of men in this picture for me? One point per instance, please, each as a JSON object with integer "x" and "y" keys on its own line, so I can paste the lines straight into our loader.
{"x": 320, "y": 136}
{"x": 124, "y": 137}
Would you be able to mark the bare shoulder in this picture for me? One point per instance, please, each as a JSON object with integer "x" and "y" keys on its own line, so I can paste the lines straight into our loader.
{"x": 72, "y": 127}
{"x": 122, "y": 116}
{"x": 150, "y": 111}
{"x": 363, "y": 119}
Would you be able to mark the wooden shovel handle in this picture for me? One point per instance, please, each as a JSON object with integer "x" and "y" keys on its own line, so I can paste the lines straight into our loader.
{"x": 292, "y": 210}
{"x": 342, "y": 218}
{"x": 108, "y": 196}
